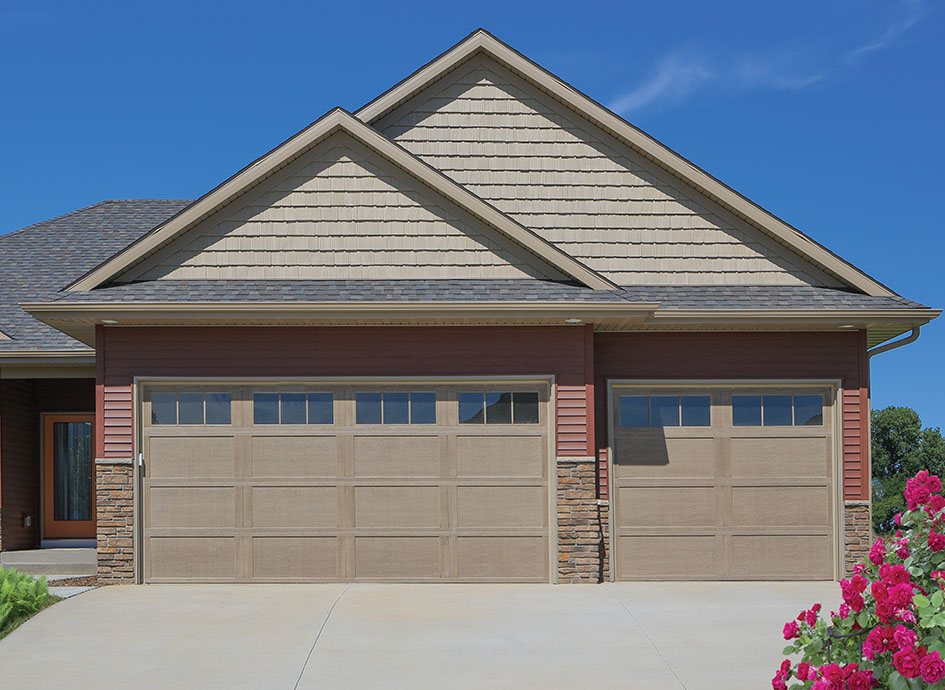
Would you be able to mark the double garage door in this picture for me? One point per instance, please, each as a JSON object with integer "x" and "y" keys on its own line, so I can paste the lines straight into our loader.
{"x": 723, "y": 483}
{"x": 282, "y": 483}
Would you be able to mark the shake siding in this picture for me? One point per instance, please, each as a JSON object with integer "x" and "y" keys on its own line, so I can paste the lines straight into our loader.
{"x": 693, "y": 356}
{"x": 340, "y": 211}
{"x": 360, "y": 351}
{"x": 570, "y": 182}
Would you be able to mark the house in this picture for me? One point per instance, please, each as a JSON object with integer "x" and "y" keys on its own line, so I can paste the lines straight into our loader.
{"x": 482, "y": 329}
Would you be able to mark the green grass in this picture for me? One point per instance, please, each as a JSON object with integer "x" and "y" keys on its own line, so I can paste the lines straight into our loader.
{"x": 21, "y": 597}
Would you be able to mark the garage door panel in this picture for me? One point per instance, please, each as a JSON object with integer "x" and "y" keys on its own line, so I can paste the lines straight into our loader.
{"x": 295, "y": 558}
{"x": 769, "y": 457}
{"x": 651, "y": 454}
{"x": 195, "y": 506}
{"x": 397, "y": 506}
{"x": 397, "y": 557}
{"x": 500, "y": 456}
{"x": 501, "y": 506}
{"x": 668, "y": 557}
{"x": 190, "y": 456}
{"x": 772, "y": 506}
{"x": 502, "y": 558}
{"x": 785, "y": 557}
{"x": 180, "y": 558}
{"x": 396, "y": 456}
{"x": 670, "y": 506}
{"x": 294, "y": 456}
{"x": 295, "y": 506}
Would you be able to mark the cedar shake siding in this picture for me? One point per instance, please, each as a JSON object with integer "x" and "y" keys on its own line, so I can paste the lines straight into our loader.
{"x": 332, "y": 352}
{"x": 694, "y": 356}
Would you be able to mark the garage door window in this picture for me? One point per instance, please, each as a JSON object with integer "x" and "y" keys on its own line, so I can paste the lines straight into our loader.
{"x": 395, "y": 408}
{"x": 777, "y": 410}
{"x": 293, "y": 408}
{"x": 190, "y": 408}
{"x": 498, "y": 408}
{"x": 665, "y": 410}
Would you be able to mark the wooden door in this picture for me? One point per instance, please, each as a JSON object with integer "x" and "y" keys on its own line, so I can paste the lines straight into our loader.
{"x": 68, "y": 476}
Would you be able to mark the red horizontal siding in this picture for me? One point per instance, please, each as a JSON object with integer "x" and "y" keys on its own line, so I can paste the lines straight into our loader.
{"x": 691, "y": 356}
{"x": 125, "y": 353}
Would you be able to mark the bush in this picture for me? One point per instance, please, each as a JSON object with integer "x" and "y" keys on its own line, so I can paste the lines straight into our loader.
{"x": 20, "y": 597}
{"x": 889, "y": 632}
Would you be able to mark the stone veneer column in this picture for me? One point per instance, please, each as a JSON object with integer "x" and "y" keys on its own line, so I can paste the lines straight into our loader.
{"x": 857, "y": 533}
{"x": 581, "y": 522}
{"x": 114, "y": 496}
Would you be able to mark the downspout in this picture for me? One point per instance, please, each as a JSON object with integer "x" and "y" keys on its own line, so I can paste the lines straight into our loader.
{"x": 911, "y": 338}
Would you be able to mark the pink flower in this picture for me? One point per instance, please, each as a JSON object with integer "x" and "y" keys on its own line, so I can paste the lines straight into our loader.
{"x": 934, "y": 484}
{"x": 895, "y": 574}
{"x": 902, "y": 552}
{"x": 859, "y": 584}
{"x": 802, "y": 670}
{"x": 905, "y": 638}
{"x": 907, "y": 663}
{"x": 936, "y": 541}
{"x": 900, "y": 596}
{"x": 859, "y": 569}
{"x": 922, "y": 477}
{"x": 880, "y": 591}
{"x": 921, "y": 495}
{"x": 777, "y": 683}
{"x": 937, "y": 503}
{"x": 908, "y": 616}
{"x": 856, "y": 603}
{"x": 868, "y": 652}
{"x": 844, "y": 611}
{"x": 811, "y": 618}
{"x": 862, "y": 680}
{"x": 791, "y": 630}
{"x": 831, "y": 672}
{"x": 878, "y": 552}
{"x": 816, "y": 608}
{"x": 932, "y": 667}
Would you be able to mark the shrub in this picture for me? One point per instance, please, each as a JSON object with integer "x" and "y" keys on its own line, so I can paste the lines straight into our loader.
{"x": 20, "y": 597}
{"x": 889, "y": 632}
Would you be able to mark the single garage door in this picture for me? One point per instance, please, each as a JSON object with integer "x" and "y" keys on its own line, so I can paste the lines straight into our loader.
{"x": 406, "y": 482}
{"x": 723, "y": 483}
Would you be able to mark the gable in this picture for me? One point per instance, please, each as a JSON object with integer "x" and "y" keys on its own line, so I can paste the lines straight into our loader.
{"x": 576, "y": 186}
{"x": 341, "y": 211}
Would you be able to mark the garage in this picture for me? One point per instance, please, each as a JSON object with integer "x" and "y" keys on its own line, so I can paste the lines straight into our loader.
{"x": 307, "y": 482}
{"x": 723, "y": 483}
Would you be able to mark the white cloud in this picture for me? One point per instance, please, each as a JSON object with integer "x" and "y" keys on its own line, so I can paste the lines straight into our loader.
{"x": 685, "y": 71}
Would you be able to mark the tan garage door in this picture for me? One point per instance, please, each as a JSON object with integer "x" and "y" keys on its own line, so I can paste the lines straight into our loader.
{"x": 723, "y": 483}
{"x": 346, "y": 482}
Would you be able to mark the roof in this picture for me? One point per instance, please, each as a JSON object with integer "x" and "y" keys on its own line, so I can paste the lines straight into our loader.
{"x": 43, "y": 258}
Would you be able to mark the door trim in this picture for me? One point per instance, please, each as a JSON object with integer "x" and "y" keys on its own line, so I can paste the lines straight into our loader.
{"x": 67, "y": 529}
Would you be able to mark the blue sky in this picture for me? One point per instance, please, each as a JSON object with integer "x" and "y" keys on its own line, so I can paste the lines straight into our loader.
{"x": 827, "y": 113}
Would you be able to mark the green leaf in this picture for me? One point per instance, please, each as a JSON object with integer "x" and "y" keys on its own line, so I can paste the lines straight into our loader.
{"x": 814, "y": 646}
{"x": 864, "y": 618}
{"x": 936, "y": 599}
{"x": 921, "y": 601}
{"x": 939, "y": 619}
{"x": 897, "y": 682}
{"x": 788, "y": 650}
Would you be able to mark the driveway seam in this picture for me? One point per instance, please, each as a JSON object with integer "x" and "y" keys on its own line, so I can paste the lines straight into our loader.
{"x": 318, "y": 635}
{"x": 648, "y": 639}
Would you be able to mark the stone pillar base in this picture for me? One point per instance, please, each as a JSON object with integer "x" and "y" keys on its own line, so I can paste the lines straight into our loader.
{"x": 114, "y": 496}
{"x": 581, "y": 522}
{"x": 857, "y": 534}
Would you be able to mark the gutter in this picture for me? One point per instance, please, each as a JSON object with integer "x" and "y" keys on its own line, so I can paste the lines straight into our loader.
{"x": 911, "y": 338}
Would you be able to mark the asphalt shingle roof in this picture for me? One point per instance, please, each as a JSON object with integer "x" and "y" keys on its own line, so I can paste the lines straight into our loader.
{"x": 38, "y": 261}
{"x": 41, "y": 259}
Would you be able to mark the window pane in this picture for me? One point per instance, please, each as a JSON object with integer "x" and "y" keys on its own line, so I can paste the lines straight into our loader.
{"x": 525, "y": 408}
{"x": 746, "y": 410}
{"x": 368, "y": 408}
{"x": 634, "y": 410}
{"x": 396, "y": 410}
{"x": 808, "y": 410}
{"x": 664, "y": 410}
{"x": 423, "y": 408}
{"x": 293, "y": 408}
{"x": 321, "y": 408}
{"x": 190, "y": 408}
{"x": 778, "y": 410}
{"x": 164, "y": 408}
{"x": 498, "y": 408}
{"x": 218, "y": 408}
{"x": 470, "y": 408}
{"x": 265, "y": 408}
{"x": 696, "y": 410}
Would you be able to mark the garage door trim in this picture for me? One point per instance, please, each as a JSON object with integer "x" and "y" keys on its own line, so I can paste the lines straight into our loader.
{"x": 835, "y": 386}
{"x": 140, "y": 382}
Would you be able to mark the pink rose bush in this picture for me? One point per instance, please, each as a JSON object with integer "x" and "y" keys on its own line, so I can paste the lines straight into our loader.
{"x": 889, "y": 632}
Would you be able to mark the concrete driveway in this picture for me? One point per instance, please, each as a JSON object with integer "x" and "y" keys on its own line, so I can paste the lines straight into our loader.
{"x": 650, "y": 636}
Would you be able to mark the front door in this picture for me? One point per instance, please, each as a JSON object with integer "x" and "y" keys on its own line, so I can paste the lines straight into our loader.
{"x": 69, "y": 479}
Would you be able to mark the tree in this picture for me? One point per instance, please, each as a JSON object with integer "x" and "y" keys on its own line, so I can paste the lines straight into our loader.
{"x": 901, "y": 448}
